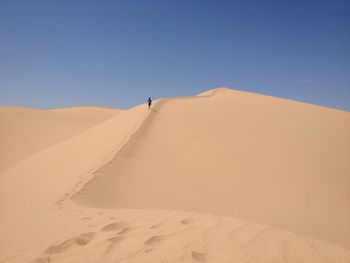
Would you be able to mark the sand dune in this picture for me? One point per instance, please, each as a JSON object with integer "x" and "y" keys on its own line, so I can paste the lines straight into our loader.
{"x": 90, "y": 113}
{"x": 225, "y": 176}
{"x": 25, "y": 131}
{"x": 259, "y": 158}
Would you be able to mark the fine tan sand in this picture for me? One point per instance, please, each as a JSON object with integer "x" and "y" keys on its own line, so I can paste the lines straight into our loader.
{"x": 96, "y": 114}
{"x": 225, "y": 176}
{"x": 24, "y": 131}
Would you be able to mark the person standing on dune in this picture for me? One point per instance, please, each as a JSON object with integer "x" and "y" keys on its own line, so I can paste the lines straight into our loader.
{"x": 149, "y": 102}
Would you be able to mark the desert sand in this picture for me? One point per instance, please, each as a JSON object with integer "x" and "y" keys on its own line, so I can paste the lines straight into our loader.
{"x": 225, "y": 176}
{"x": 25, "y": 131}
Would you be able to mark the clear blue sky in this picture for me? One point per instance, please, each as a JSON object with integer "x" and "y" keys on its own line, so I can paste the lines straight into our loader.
{"x": 58, "y": 53}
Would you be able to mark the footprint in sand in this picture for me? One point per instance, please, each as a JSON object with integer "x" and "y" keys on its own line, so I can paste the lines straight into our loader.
{"x": 116, "y": 239}
{"x": 61, "y": 201}
{"x": 156, "y": 226}
{"x": 201, "y": 257}
{"x": 125, "y": 231}
{"x": 81, "y": 240}
{"x": 41, "y": 260}
{"x": 188, "y": 221}
{"x": 113, "y": 226}
{"x": 154, "y": 240}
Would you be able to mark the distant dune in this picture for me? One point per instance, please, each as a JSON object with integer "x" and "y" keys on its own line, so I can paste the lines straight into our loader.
{"x": 25, "y": 131}
{"x": 96, "y": 114}
{"x": 225, "y": 176}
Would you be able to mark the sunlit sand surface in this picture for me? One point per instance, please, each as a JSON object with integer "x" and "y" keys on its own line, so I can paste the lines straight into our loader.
{"x": 225, "y": 176}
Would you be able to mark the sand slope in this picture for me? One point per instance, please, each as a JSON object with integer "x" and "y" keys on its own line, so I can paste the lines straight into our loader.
{"x": 259, "y": 158}
{"x": 24, "y": 131}
{"x": 116, "y": 192}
